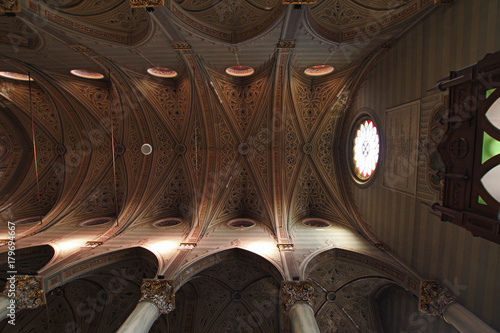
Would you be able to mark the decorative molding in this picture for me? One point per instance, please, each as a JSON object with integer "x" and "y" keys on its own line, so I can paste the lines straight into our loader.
{"x": 381, "y": 246}
{"x": 160, "y": 292}
{"x": 285, "y": 246}
{"x": 433, "y": 299}
{"x": 29, "y": 291}
{"x": 92, "y": 244}
{"x": 303, "y": 2}
{"x": 85, "y": 29}
{"x": 80, "y": 48}
{"x": 187, "y": 246}
{"x": 146, "y": 3}
{"x": 286, "y": 44}
{"x": 181, "y": 46}
{"x": 389, "y": 44}
{"x": 295, "y": 291}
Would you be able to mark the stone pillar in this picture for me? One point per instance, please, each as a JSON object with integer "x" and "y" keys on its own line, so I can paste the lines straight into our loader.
{"x": 21, "y": 292}
{"x": 157, "y": 297}
{"x": 435, "y": 301}
{"x": 296, "y": 300}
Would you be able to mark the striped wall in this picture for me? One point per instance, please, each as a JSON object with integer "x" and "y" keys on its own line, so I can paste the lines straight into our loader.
{"x": 450, "y": 38}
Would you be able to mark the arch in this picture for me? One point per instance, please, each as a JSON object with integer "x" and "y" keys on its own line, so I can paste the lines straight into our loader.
{"x": 402, "y": 278}
{"x": 56, "y": 275}
{"x": 186, "y": 273}
{"x": 29, "y": 261}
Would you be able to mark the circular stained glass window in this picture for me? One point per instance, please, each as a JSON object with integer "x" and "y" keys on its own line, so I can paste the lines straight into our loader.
{"x": 366, "y": 148}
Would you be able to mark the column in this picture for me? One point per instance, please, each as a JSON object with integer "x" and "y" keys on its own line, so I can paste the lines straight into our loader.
{"x": 296, "y": 299}
{"x": 435, "y": 301}
{"x": 21, "y": 292}
{"x": 157, "y": 298}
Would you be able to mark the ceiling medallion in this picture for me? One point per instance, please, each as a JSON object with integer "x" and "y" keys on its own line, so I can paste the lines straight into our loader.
{"x": 240, "y": 71}
{"x": 243, "y": 148}
{"x": 16, "y": 76}
{"x": 315, "y": 223}
{"x": 146, "y": 149}
{"x": 318, "y": 70}
{"x": 162, "y": 72}
{"x": 241, "y": 224}
{"x": 180, "y": 149}
{"x": 87, "y": 74}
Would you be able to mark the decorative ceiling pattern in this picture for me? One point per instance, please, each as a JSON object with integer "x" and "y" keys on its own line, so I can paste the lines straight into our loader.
{"x": 262, "y": 148}
{"x": 232, "y": 296}
{"x": 243, "y": 18}
{"x": 97, "y": 302}
{"x": 343, "y": 296}
{"x": 344, "y": 19}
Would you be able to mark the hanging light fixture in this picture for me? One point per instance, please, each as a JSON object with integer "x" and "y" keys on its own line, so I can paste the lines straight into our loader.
{"x": 239, "y": 70}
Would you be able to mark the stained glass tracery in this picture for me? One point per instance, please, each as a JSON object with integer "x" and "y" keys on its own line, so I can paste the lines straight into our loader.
{"x": 366, "y": 149}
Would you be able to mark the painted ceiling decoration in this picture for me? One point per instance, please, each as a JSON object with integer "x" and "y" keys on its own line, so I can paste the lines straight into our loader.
{"x": 160, "y": 157}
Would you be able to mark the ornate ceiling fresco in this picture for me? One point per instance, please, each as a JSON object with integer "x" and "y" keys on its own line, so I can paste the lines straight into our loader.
{"x": 264, "y": 148}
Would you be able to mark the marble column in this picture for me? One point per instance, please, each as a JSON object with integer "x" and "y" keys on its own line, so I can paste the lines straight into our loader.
{"x": 21, "y": 292}
{"x": 157, "y": 298}
{"x": 296, "y": 299}
{"x": 437, "y": 302}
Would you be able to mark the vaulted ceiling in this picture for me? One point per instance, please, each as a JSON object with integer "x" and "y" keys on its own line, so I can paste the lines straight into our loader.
{"x": 265, "y": 148}
{"x": 262, "y": 147}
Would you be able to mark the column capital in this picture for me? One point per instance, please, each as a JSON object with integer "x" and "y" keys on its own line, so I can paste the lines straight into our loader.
{"x": 295, "y": 291}
{"x": 159, "y": 292}
{"x": 28, "y": 291}
{"x": 433, "y": 299}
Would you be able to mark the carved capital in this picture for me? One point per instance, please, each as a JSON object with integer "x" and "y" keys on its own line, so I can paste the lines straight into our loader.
{"x": 160, "y": 292}
{"x": 433, "y": 299}
{"x": 28, "y": 291}
{"x": 10, "y": 6}
{"x": 296, "y": 291}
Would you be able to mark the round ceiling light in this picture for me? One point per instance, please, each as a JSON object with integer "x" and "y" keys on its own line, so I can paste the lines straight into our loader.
{"x": 146, "y": 149}
{"x": 318, "y": 70}
{"x": 16, "y": 76}
{"x": 162, "y": 72}
{"x": 240, "y": 71}
{"x": 87, "y": 74}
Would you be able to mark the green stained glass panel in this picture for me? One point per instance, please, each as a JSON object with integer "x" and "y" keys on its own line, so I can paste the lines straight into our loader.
{"x": 491, "y": 147}
{"x": 489, "y": 92}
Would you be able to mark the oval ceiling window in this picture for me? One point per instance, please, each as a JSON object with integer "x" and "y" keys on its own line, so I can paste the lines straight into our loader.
{"x": 166, "y": 223}
{"x": 365, "y": 149}
{"x": 241, "y": 224}
{"x": 16, "y": 76}
{"x": 95, "y": 222}
{"x": 240, "y": 71}
{"x": 318, "y": 70}
{"x": 87, "y": 74}
{"x": 162, "y": 72}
